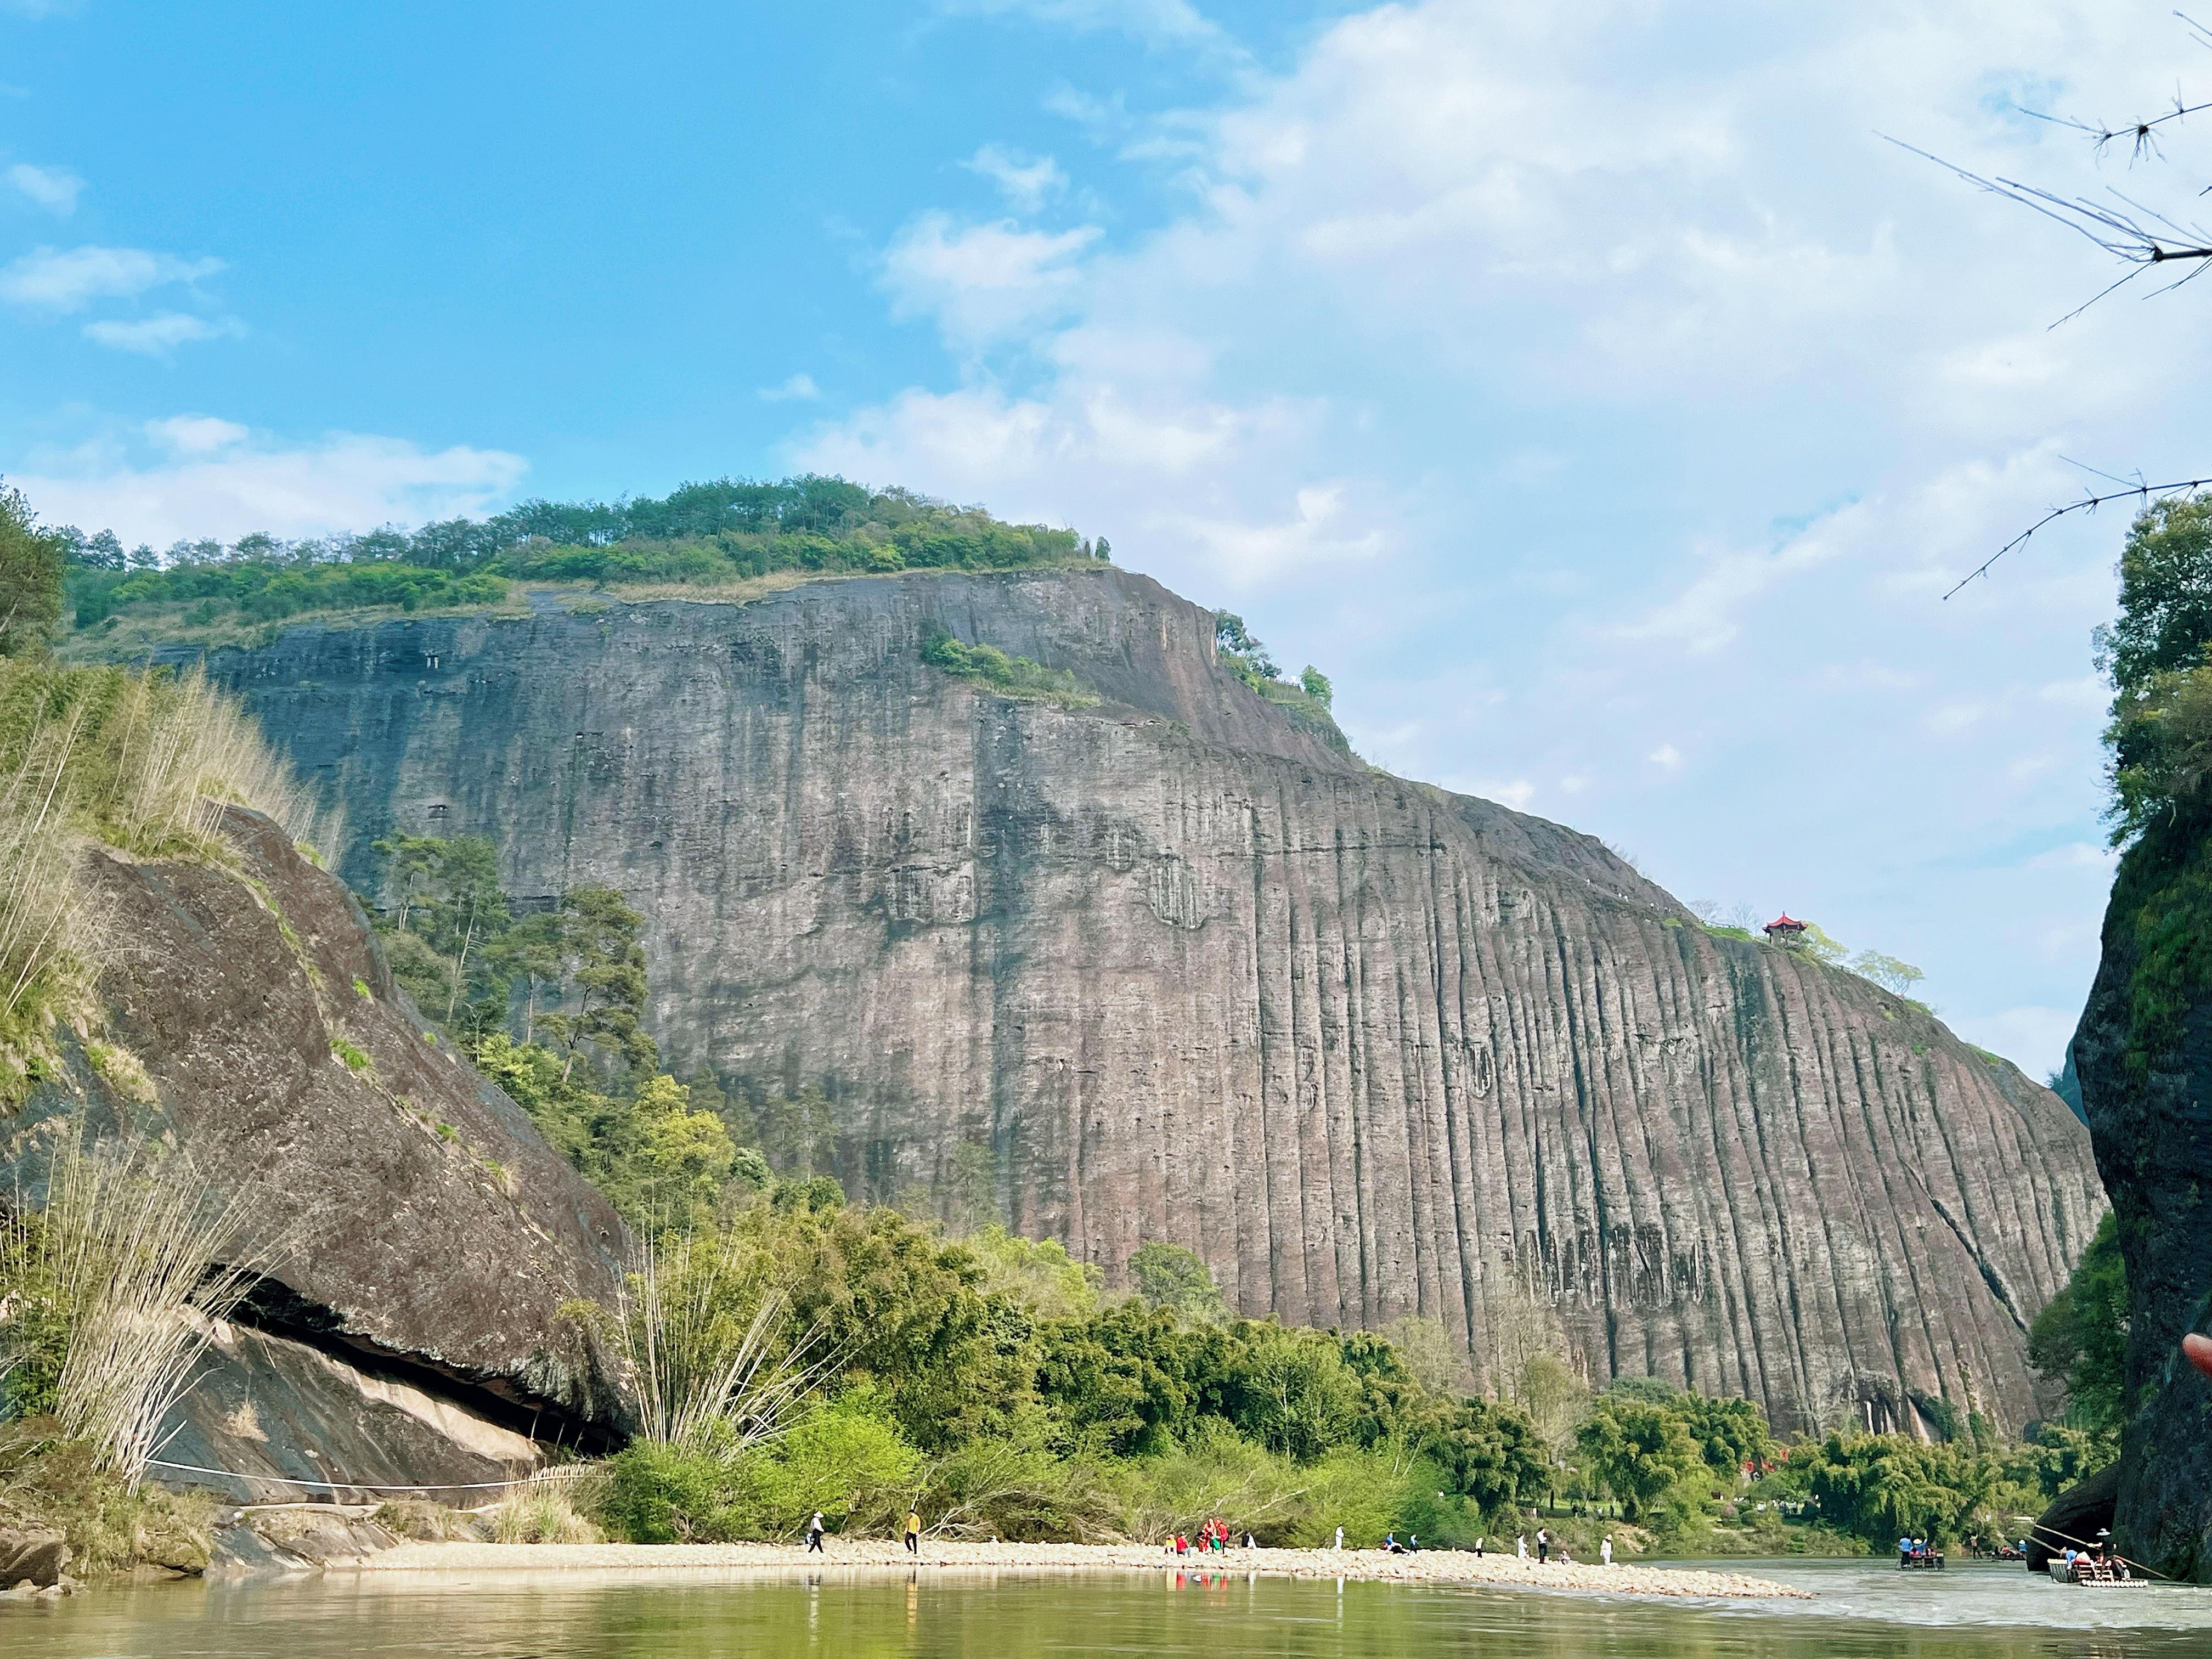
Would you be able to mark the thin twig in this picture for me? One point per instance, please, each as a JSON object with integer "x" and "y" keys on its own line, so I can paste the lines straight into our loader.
{"x": 2087, "y": 504}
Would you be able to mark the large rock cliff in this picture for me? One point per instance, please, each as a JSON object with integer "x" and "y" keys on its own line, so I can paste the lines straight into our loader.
{"x": 2150, "y": 1113}
{"x": 1172, "y": 968}
{"x": 419, "y": 1235}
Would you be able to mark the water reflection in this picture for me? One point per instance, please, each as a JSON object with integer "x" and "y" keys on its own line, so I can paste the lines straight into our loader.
{"x": 1221, "y": 1615}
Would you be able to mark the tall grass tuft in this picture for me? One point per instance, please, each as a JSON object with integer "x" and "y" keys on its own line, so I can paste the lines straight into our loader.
{"x": 112, "y": 1288}
{"x": 704, "y": 1338}
{"x": 144, "y": 761}
{"x": 147, "y": 761}
{"x": 43, "y": 928}
{"x": 541, "y": 1512}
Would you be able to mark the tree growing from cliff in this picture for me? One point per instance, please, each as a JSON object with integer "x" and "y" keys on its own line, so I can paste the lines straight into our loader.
{"x": 30, "y": 577}
{"x": 603, "y": 960}
{"x": 1892, "y": 974}
{"x": 1168, "y": 1276}
{"x": 452, "y": 915}
{"x": 2081, "y": 1337}
{"x": 2155, "y": 652}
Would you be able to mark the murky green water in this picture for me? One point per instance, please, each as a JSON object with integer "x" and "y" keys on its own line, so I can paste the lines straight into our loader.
{"x": 1966, "y": 1613}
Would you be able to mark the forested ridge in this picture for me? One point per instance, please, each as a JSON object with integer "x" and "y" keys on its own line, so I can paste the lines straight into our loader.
{"x": 701, "y": 535}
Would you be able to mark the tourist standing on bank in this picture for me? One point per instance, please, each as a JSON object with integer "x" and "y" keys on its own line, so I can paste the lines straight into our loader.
{"x": 914, "y": 1531}
{"x": 814, "y": 1534}
{"x": 1604, "y": 1550}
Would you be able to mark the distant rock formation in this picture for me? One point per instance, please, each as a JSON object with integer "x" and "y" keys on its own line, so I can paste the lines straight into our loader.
{"x": 1173, "y": 967}
{"x": 408, "y": 1329}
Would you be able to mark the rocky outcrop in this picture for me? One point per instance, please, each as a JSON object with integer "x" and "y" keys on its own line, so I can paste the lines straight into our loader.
{"x": 2077, "y": 1516}
{"x": 282, "y": 1421}
{"x": 2152, "y": 1122}
{"x": 1172, "y": 966}
{"x": 32, "y": 1558}
{"x": 421, "y": 1234}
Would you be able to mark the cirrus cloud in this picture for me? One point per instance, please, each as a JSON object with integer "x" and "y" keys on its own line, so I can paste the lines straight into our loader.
{"x": 159, "y": 335}
{"x": 69, "y": 279}
{"x": 55, "y": 189}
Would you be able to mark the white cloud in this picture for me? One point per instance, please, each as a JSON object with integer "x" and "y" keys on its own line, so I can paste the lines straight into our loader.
{"x": 1026, "y": 182}
{"x": 158, "y": 335}
{"x": 800, "y": 388}
{"x": 196, "y": 434}
{"x": 1705, "y": 615}
{"x": 214, "y": 478}
{"x": 65, "y": 280}
{"x": 55, "y": 189}
{"x": 983, "y": 283}
{"x": 1666, "y": 757}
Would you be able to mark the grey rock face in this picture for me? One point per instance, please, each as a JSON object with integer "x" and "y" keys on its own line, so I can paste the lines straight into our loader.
{"x": 417, "y": 1224}
{"x": 284, "y": 1422}
{"x": 1172, "y": 969}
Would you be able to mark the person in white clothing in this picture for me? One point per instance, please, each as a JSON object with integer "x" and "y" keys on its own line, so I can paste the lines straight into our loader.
{"x": 1521, "y": 1546}
{"x": 1605, "y": 1551}
{"x": 1340, "y": 1538}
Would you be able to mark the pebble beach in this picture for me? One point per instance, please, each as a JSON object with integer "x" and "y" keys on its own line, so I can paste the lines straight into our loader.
{"x": 1430, "y": 1567}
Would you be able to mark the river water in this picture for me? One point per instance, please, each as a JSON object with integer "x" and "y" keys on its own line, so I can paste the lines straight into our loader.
{"x": 1863, "y": 1610}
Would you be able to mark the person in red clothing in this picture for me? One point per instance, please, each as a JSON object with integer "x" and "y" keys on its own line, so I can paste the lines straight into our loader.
{"x": 2199, "y": 1350}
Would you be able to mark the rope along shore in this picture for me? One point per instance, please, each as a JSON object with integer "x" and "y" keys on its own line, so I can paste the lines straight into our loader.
{"x": 537, "y": 1477}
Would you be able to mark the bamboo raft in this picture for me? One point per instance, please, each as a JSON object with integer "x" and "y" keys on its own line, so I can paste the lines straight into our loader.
{"x": 2094, "y": 1574}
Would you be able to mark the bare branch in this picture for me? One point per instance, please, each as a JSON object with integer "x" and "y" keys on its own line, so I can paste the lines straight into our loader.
{"x": 2136, "y": 482}
{"x": 2142, "y": 136}
{"x": 2087, "y": 504}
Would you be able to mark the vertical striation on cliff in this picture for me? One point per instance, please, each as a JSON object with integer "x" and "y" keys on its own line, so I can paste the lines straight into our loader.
{"x": 1173, "y": 968}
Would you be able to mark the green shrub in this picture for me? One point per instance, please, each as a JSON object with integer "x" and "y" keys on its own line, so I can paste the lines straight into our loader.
{"x": 661, "y": 1494}
{"x": 844, "y": 1460}
{"x": 1010, "y": 677}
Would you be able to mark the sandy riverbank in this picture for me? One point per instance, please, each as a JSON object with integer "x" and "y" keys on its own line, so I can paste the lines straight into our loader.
{"x": 1431, "y": 1567}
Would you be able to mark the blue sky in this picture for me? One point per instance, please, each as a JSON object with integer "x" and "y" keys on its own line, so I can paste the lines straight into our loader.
{"x": 1587, "y": 388}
